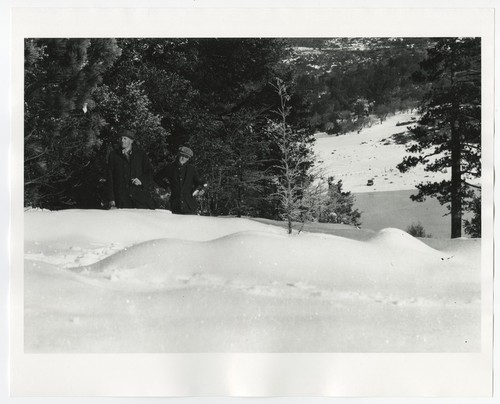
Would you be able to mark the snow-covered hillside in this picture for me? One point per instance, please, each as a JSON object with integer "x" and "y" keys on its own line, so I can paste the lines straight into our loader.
{"x": 371, "y": 154}
{"x": 150, "y": 281}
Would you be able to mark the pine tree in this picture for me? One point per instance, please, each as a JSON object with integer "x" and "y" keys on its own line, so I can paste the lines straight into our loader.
{"x": 337, "y": 206}
{"x": 473, "y": 226}
{"x": 212, "y": 95}
{"x": 61, "y": 135}
{"x": 233, "y": 156}
{"x": 448, "y": 135}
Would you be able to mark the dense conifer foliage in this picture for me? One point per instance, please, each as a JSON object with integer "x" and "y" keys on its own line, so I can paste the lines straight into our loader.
{"x": 218, "y": 96}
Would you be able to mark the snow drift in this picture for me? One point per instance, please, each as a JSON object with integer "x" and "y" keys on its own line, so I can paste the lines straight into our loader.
{"x": 150, "y": 281}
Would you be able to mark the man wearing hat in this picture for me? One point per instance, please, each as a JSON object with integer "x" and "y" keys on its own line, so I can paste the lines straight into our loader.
{"x": 130, "y": 175}
{"x": 184, "y": 183}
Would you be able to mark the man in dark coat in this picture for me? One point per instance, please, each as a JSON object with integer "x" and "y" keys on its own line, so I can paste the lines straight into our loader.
{"x": 184, "y": 183}
{"x": 130, "y": 175}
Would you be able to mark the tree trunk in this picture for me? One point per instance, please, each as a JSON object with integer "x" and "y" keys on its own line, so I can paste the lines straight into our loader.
{"x": 456, "y": 182}
{"x": 240, "y": 195}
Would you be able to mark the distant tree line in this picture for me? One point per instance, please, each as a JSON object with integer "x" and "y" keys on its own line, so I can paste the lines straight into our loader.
{"x": 350, "y": 81}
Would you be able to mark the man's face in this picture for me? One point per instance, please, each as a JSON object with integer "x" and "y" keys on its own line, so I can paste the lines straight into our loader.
{"x": 126, "y": 142}
{"x": 183, "y": 160}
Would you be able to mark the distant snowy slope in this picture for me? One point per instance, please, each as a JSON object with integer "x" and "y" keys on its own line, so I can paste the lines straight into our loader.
{"x": 371, "y": 154}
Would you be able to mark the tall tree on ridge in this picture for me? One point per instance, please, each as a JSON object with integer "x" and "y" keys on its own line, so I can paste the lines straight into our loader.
{"x": 448, "y": 134}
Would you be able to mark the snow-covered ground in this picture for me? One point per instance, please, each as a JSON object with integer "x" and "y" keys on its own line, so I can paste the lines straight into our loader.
{"x": 371, "y": 154}
{"x": 149, "y": 281}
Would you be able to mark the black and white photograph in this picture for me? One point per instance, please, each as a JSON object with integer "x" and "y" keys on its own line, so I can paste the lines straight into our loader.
{"x": 252, "y": 195}
{"x": 255, "y": 195}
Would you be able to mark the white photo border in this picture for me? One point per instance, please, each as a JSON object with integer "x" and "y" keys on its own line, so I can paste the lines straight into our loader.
{"x": 179, "y": 375}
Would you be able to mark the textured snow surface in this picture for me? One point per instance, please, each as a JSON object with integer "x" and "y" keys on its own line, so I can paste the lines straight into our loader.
{"x": 373, "y": 153}
{"x": 150, "y": 281}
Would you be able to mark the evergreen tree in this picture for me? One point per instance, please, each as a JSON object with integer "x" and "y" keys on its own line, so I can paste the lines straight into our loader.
{"x": 212, "y": 95}
{"x": 473, "y": 226}
{"x": 448, "y": 135}
{"x": 337, "y": 206}
{"x": 60, "y": 135}
{"x": 235, "y": 159}
{"x": 164, "y": 68}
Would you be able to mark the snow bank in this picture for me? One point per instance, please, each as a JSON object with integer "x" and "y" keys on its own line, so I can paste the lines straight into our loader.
{"x": 392, "y": 262}
{"x": 127, "y": 226}
{"x": 150, "y": 281}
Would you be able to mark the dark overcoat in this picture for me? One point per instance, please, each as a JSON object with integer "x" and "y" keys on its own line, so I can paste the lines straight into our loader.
{"x": 182, "y": 181}
{"x": 121, "y": 170}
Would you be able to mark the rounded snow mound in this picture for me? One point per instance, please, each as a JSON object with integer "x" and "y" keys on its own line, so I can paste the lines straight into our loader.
{"x": 401, "y": 240}
{"x": 389, "y": 260}
{"x": 253, "y": 254}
